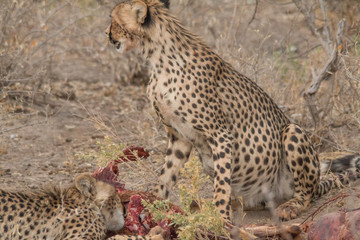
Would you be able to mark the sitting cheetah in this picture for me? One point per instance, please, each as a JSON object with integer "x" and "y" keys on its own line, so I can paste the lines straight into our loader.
{"x": 87, "y": 210}
{"x": 245, "y": 142}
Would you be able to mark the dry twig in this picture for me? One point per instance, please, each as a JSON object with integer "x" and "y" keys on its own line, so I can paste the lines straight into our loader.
{"x": 340, "y": 196}
{"x": 255, "y": 10}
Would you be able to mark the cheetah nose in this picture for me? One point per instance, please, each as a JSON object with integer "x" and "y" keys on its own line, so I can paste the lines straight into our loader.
{"x": 112, "y": 41}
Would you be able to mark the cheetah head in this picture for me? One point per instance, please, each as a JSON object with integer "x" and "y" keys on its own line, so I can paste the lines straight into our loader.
{"x": 105, "y": 198}
{"x": 130, "y": 20}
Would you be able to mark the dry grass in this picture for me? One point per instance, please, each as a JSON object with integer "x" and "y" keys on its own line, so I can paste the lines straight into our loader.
{"x": 44, "y": 43}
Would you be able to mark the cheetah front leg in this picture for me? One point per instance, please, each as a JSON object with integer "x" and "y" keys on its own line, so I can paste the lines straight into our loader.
{"x": 177, "y": 155}
{"x": 221, "y": 146}
{"x": 302, "y": 161}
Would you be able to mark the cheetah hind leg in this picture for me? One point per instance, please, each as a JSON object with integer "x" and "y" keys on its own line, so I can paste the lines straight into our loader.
{"x": 301, "y": 160}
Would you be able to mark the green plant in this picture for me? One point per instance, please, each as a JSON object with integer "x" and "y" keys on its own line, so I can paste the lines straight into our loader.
{"x": 108, "y": 151}
{"x": 192, "y": 224}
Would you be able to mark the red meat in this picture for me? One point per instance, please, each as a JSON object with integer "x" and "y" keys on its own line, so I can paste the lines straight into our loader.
{"x": 128, "y": 154}
{"x": 138, "y": 221}
{"x": 109, "y": 175}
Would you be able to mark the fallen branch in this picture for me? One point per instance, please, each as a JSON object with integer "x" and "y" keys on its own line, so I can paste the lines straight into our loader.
{"x": 272, "y": 231}
{"x": 265, "y": 231}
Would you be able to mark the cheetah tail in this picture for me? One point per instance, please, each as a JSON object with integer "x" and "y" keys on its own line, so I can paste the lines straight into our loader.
{"x": 337, "y": 173}
{"x": 342, "y": 164}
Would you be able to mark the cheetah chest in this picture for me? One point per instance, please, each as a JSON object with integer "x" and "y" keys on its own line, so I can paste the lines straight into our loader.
{"x": 165, "y": 96}
{"x": 171, "y": 105}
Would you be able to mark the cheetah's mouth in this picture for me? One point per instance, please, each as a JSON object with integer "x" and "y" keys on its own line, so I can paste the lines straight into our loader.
{"x": 117, "y": 44}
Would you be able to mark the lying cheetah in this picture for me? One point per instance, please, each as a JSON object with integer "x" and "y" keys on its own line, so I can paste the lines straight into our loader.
{"x": 87, "y": 210}
{"x": 245, "y": 142}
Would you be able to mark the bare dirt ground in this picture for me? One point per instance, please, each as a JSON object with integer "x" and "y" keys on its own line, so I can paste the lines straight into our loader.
{"x": 63, "y": 89}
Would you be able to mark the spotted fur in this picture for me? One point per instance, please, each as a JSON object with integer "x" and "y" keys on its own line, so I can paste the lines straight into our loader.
{"x": 87, "y": 210}
{"x": 245, "y": 142}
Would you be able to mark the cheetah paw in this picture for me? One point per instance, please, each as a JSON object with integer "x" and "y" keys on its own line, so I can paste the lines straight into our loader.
{"x": 286, "y": 212}
{"x": 157, "y": 233}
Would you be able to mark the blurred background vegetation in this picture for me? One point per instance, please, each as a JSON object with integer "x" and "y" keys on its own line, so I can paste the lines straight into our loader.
{"x": 57, "y": 70}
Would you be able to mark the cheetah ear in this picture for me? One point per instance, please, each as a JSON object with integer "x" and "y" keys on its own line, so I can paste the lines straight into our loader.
{"x": 140, "y": 10}
{"x": 85, "y": 183}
